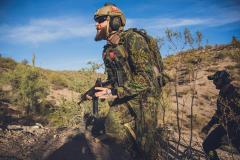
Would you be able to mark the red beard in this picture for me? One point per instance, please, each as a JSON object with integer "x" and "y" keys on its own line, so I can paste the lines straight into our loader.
{"x": 101, "y": 34}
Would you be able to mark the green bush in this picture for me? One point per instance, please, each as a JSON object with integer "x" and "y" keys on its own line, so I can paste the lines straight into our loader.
{"x": 235, "y": 55}
{"x": 29, "y": 87}
{"x": 68, "y": 113}
{"x": 59, "y": 82}
{"x": 7, "y": 63}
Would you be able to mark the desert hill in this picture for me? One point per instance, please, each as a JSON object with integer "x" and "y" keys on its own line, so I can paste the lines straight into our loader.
{"x": 195, "y": 93}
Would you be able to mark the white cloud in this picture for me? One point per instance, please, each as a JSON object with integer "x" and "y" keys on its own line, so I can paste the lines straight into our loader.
{"x": 161, "y": 23}
{"x": 45, "y": 30}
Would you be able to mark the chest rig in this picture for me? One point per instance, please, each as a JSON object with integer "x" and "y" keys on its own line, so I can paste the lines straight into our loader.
{"x": 116, "y": 63}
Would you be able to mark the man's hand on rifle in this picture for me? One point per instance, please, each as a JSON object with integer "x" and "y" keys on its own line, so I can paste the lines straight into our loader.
{"x": 104, "y": 93}
{"x": 88, "y": 97}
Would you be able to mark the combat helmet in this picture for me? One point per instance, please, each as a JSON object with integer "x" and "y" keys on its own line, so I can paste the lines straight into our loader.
{"x": 115, "y": 16}
{"x": 224, "y": 75}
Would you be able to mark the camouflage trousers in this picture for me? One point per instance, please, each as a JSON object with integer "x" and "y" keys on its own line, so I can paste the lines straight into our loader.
{"x": 134, "y": 123}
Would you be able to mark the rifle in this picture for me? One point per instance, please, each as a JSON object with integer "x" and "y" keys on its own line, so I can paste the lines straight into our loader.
{"x": 91, "y": 93}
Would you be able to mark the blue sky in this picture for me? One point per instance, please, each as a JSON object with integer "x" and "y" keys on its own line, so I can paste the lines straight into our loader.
{"x": 61, "y": 33}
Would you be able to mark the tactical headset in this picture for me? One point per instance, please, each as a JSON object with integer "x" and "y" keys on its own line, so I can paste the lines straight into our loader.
{"x": 114, "y": 15}
{"x": 115, "y": 23}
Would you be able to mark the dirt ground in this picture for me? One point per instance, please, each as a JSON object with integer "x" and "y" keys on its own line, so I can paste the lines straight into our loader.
{"x": 54, "y": 144}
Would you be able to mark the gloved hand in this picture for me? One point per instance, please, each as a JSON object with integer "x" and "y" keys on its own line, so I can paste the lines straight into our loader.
{"x": 104, "y": 93}
{"x": 206, "y": 129}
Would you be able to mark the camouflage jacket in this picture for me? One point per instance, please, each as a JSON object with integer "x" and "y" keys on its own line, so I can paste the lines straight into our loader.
{"x": 228, "y": 107}
{"x": 128, "y": 63}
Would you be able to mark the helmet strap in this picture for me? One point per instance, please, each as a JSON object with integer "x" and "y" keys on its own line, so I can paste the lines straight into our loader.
{"x": 108, "y": 27}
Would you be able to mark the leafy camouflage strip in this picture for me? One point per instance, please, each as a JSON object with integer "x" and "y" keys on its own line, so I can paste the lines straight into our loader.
{"x": 134, "y": 60}
{"x": 143, "y": 126}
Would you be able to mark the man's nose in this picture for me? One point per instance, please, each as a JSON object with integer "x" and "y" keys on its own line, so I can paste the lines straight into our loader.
{"x": 97, "y": 25}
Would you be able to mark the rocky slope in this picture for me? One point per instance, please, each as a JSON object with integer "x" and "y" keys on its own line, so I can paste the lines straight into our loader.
{"x": 196, "y": 93}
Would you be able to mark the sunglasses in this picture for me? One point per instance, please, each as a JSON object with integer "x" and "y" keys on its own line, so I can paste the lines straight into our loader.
{"x": 101, "y": 19}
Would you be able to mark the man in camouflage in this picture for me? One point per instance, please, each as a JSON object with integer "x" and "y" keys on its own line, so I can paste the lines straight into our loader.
{"x": 136, "y": 76}
{"x": 227, "y": 116}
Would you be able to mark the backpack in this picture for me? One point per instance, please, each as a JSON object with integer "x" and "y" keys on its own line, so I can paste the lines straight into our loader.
{"x": 156, "y": 58}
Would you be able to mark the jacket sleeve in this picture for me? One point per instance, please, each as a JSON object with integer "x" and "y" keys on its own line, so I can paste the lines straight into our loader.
{"x": 214, "y": 120}
{"x": 237, "y": 101}
{"x": 139, "y": 62}
{"x": 236, "y": 104}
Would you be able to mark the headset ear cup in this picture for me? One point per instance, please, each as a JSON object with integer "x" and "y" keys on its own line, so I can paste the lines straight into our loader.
{"x": 115, "y": 23}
